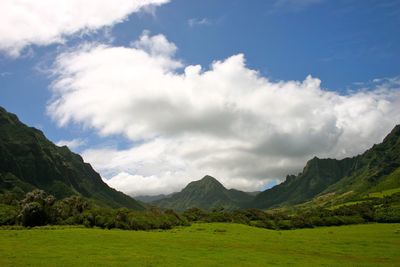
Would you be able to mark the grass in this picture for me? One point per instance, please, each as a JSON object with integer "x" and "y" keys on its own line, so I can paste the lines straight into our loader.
{"x": 213, "y": 244}
{"x": 350, "y": 203}
{"x": 384, "y": 193}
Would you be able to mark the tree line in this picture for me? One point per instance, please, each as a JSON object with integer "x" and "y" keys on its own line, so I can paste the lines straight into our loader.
{"x": 39, "y": 208}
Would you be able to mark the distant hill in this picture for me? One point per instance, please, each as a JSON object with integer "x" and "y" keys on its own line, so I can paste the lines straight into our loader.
{"x": 149, "y": 199}
{"x": 376, "y": 169}
{"x": 206, "y": 193}
{"x": 29, "y": 160}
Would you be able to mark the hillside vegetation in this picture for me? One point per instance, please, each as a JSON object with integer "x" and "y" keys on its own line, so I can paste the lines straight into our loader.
{"x": 28, "y": 160}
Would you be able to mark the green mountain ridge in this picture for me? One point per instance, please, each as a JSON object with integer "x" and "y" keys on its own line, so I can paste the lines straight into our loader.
{"x": 376, "y": 169}
{"x": 207, "y": 194}
{"x": 29, "y": 160}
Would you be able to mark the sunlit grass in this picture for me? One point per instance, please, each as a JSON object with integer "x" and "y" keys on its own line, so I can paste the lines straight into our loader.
{"x": 213, "y": 244}
{"x": 384, "y": 193}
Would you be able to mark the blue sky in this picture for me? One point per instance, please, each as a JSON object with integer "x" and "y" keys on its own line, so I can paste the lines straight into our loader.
{"x": 348, "y": 45}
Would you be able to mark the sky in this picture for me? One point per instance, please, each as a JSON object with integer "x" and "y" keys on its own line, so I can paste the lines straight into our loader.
{"x": 158, "y": 93}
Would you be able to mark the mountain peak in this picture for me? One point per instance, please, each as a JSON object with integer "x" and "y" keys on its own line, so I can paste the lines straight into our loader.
{"x": 207, "y": 182}
{"x": 8, "y": 118}
{"x": 209, "y": 178}
{"x": 394, "y": 134}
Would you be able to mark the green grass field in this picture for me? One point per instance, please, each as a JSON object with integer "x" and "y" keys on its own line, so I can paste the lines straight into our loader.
{"x": 204, "y": 245}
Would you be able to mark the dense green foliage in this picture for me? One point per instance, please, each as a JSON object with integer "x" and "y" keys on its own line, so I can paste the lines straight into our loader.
{"x": 376, "y": 169}
{"x": 206, "y": 193}
{"x": 213, "y": 244}
{"x": 28, "y": 160}
{"x": 38, "y": 208}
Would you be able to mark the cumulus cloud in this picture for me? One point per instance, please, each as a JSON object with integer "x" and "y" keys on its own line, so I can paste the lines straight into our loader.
{"x": 72, "y": 144}
{"x": 227, "y": 121}
{"x": 27, "y": 22}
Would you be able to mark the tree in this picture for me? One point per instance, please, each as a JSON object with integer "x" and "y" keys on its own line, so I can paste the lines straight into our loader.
{"x": 32, "y": 214}
{"x": 36, "y": 208}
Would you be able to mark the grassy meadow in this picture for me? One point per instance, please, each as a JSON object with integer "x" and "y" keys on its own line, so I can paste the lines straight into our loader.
{"x": 208, "y": 244}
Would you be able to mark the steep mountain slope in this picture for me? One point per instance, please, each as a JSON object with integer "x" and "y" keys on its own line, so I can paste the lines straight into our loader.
{"x": 29, "y": 160}
{"x": 206, "y": 193}
{"x": 317, "y": 175}
{"x": 377, "y": 168}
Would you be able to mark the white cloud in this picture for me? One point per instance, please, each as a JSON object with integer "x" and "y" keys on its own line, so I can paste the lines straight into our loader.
{"x": 44, "y": 22}
{"x": 199, "y": 22}
{"x": 72, "y": 144}
{"x": 156, "y": 45}
{"x": 227, "y": 121}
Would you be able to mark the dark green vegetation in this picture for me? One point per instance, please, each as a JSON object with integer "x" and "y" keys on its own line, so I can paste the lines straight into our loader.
{"x": 28, "y": 160}
{"x": 39, "y": 208}
{"x": 344, "y": 180}
{"x": 213, "y": 244}
{"x": 206, "y": 193}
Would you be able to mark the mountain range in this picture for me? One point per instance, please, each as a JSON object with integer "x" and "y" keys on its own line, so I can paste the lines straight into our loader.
{"x": 377, "y": 169}
{"x": 28, "y": 160}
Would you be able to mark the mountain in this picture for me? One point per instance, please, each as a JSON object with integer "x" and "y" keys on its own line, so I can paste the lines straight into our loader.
{"x": 376, "y": 169}
{"x": 149, "y": 199}
{"x": 254, "y": 193}
{"x": 206, "y": 193}
{"x": 29, "y": 160}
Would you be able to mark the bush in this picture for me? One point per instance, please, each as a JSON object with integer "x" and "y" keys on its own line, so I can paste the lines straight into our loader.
{"x": 194, "y": 214}
{"x": 388, "y": 215}
{"x": 32, "y": 214}
{"x": 284, "y": 225}
{"x": 8, "y": 214}
{"x": 36, "y": 208}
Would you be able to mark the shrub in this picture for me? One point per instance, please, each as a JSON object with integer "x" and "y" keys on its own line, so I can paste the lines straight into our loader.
{"x": 32, "y": 214}
{"x": 388, "y": 215}
{"x": 8, "y": 214}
